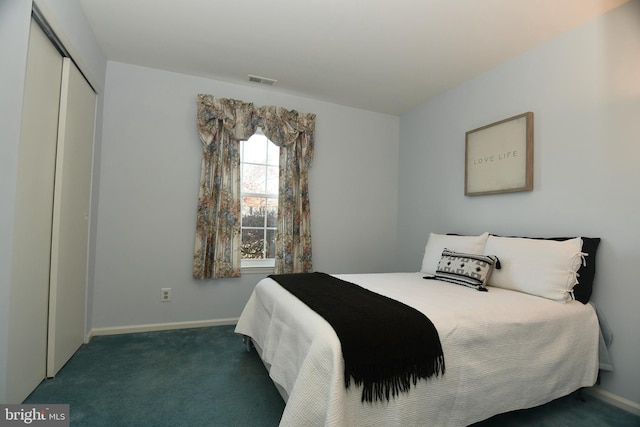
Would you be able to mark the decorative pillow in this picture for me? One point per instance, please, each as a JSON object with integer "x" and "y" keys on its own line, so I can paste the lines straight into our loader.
{"x": 545, "y": 268}
{"x": 438, "y": 242}
{"x": 469, "y": 270}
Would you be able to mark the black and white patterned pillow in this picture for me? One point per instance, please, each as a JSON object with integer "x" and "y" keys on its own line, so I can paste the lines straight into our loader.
{"x": 469, "y": 270}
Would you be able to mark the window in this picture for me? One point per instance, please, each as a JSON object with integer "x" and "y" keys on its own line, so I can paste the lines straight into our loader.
{"x": 259, "y": 159}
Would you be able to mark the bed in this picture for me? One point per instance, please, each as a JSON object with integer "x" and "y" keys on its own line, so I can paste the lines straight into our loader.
{"x": 505, "y": 349}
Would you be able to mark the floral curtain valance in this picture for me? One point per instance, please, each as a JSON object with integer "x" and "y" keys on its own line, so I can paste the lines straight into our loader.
{"x": 222, "y": 123}
{"x": 239, "y": 120}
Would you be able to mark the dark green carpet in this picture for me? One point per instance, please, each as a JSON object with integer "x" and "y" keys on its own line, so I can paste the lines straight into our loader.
{"x": 204, "y": 377}
{"x": 187, "y": 377}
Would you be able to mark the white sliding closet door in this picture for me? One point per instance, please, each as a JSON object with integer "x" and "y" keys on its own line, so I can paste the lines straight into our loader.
{"x": 29, "y": 299}
{"x": 70, "y": 218}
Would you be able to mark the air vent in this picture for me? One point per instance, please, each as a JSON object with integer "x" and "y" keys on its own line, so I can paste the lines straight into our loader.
{"x": 262, "y": 80}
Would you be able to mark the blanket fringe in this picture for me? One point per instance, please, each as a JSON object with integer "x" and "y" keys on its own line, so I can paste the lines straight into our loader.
{"x": 391, "y": 384}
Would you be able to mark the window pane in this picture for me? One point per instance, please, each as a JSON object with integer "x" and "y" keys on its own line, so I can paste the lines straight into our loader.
{"x": 253, "y": 179}
{"x": 272, "y": 179}
{"x": 274, "y": 154}
{"x": 272, "y": 212}
{"x": 253, "y": 211}
{"x": 271, "y": 243}
{"x": 260, "y": 158}
{"x": 255, "y": 149}
{"x": 252, "y": 244}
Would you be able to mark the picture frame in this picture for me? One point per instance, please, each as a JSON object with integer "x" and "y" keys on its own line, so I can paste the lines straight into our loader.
{"x": 499, "y": 157}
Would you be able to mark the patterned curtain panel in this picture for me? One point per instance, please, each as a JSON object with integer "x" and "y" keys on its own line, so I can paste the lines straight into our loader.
{"x": 294, "y": 133}
{"x": 217, "y": 247}
{"x": 222, "y": 123}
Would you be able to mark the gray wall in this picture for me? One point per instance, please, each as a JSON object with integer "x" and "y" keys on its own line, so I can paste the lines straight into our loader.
{"x": 149, "y": 183}
{"x": 584, "y": 90}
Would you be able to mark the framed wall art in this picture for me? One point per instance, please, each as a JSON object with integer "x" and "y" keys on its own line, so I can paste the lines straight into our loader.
{"x": 499, "y": 157}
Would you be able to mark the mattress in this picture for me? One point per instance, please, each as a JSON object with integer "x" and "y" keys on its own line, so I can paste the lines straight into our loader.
{"x": 504, "y": 350}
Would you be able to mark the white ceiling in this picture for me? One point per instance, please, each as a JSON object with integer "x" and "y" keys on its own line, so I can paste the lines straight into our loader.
{"x": 379, "y": 55}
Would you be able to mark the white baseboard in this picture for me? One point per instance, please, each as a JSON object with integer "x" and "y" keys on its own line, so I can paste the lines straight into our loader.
{"x": 159, "y": 327}
{"x": 613, "y": 399}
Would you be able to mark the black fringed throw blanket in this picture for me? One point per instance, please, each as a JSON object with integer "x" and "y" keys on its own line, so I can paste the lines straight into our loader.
{"x": 386, "y": 345}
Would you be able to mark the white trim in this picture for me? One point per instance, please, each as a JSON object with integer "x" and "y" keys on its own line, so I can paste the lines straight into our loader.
{"x": 258, "y": 263}
{"x": 256, "y": 270}
{"x": 615, "y": 400}
{"x": 159, "y": 327}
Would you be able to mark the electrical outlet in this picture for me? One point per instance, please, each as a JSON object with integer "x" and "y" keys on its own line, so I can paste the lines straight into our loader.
{"x": 166, "y": 294}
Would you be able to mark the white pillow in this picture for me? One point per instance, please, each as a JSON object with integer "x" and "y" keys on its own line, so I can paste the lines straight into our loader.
{"x": 439, "y": 242}
{"x": 545, "y": 268}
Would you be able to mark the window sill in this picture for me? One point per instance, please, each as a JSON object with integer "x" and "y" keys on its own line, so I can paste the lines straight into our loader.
{"x": 256, "y": 270}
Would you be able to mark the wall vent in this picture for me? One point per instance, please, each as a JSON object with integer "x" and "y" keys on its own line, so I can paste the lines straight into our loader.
{"x": 262, "y": 80}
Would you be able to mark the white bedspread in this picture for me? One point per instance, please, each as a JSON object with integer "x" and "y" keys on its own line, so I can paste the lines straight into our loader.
{"x": 504, "y": 350}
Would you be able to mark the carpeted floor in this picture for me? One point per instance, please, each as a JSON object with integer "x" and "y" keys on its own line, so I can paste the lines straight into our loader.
{"x": 186, "y": 377}
{"x": 204, "y": 377}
